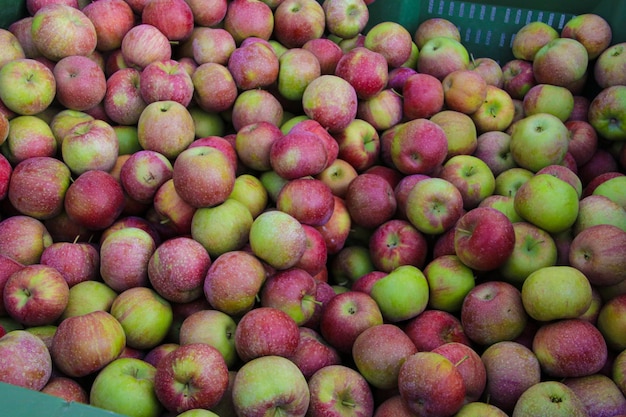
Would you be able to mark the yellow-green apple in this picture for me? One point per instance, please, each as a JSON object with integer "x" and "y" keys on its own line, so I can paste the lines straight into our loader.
{"x": 402, "y": 294}
{"x": 608, "y": 69}
{"x": 165, "y": 127}
{"x": 338, "y": 176}
{"x": 76, "y": 261}
{"x": 256, "y": 105}
{"x": 504, "y": 386}
{"x": 80, "y": 81}
{"x": 330, "y": 100}
{"x": 434, "y": 27}
{"x": 419, "y": 377}
{"x": 382, "y": 111}
{"x": 270, "y": 384}
{"x": 598, "y": 209}
{"x": 484, "y": 238}
{"x": 122, "y": 101}
{"x": 88, "y": 296}
{"x": 349, "y": 264}
{"x": 595, "y": 251}
{"x": 549, "y": 398}
{"x": 590, "y": 29}
{"x": 510, "y": 180}
{"x": 313, "y": 352}
{"x": 298, "y": 67}
{"x": 569, "y": 293}
{"x": 370, "y": 200}
{"x": 25, "y": 360}
{"x": 345, "y": 19}
{"x": 607, "y": 113}
{"x": 123, "y": 377}
{"x": 11, "y": 47}
{"x": 610, "y": 322}
{"x": 212, "y": 327}
{"x": 28, "y": 137}
{"x": 479, "y": 408}
{"x": 143, "y": 44}
{"x": 561, "y": 62}
{"x": 85, "y": 344}
{"x": 434, "y": 205}
{"x": 23, "y": 239}
{"x": 460, "y": 132}
{"x": 277, "y": 238}
{"x": 518, "y": 78}
{"x": 539, "y": 140}
{"x": 599, "y": 393}
{"x": 36, "y": 295}
{"x": 327, "y": 52}
{"x": 173, "y": 18}
{"x": 561, "y": 198}
{"x": 209, "y": 44}
{"x": 468, "y": 362}
{"x": 59, "y": 30}
{"x": 418, "y": 146}
{"x": 392, "y": 40}
{"x": 249, "y": 18}
{"x": 379, "y": 352}
{"x": 66, "y": 388}
{"x": 298, "y": 21}
{"x": 233, "y": 282}
{"x": 583, "y": 140}
{"x": 249, "y": 191}
{"x": 493, "y": 148}
{"x": 37, "y": 186}
{"x": 534, "y": 249}
{"x": 566, "y": 174}
{"x": 547, "y": 98}
{"x": 191, "y": 376}
{"x": 530, "y": 38}
{"x": 124, "y": 256}
{"x": 292, "y": 291}
{"x": 503, "y": 203}
{"x": 358, "y": 144}
{"x": 165, "y": 80}
{"x": 272, "y": 182}
{"x": 94, "y": 200}
{"x": 471, "y": 176}
{"x": 91, "y": 145}
{"x": 441, "y": 55}
{"x": 345, "y": 316}
{"x": 397, "y": 242}
{"x": 207, "y": 123}
{"x": 338, "y": 389}
{"x": 64, "y": 120}
{"x": 223, "y": 93}
{"x": 489, "y": 69}
{"x": 617, "y": 371}
{"x": 570, "y": 348}
{"x": 595, "y": 181}
{"x": 266, "y": 331}
{"x": 145, "y": 316}
{"x": 493, "y": 312}
{"x": 308, "y": 200}
{"x": 366, "y": 70}
{"x": 423, "y": 96}
{"x": 464, "y": 90}
{"x": 496, "y": 112}
{"x": 111, "y": 20}
{"x": 253, "y": 65}
{"x": 449, "y": 281}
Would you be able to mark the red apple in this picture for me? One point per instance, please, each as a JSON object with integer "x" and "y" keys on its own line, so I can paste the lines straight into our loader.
{"x": 25, "y": 360}
{"x": 433, "y": 328}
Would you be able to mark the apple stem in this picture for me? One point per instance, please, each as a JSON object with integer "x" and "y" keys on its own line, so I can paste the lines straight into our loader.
{"x": 76, "y": 238}
{"x": 348, "y": 403}
{"x": 461, "y": 360}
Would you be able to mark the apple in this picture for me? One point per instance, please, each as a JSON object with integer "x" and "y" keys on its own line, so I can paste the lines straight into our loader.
{"x": 338, "y": 388}
{"x": 337, "y": 228}
{"x": 381, "y": 111}
{"x": 76, "y": 261}
{"x": 402, "y": 294}
{"x": 214, "y": 328}
{"x": 191, "y": 376}
{"x": 253, "y": 65}
{"x": 469, "y": 363}
{"x": 547, "y": 98}
{"x": 111, "y": 20}
{"x": 484, "y": 238}
{"x": 293, "y": 291}
{"x": 370, "y": 200}
{"x": 433, "y": 27}
{"x": 493, "y": 312}
{"x": 464, "y": 90}
{"x": 419, "y": 380}
{"x": 80, "y": 81}
{"x": 23, "y": 239}
{"x": 518, "y": 78}
{"x": 591, "y": 253}
{"x": 530, "y": 38}
{"x": 598, "y": 393}
{"x": 90, "y": 145}
{"x": 270, "y": 384}
{"x": 598, "y": 209}
{"x": 256, "y": 105}
{"x": 534, "y": 249}
{"x": 209, "y": 45}
{"x": 392, "y": 40}
{"x": 497, "y": 111}
{"x": 64, "y": 120}
{"x": 249, "y": 18}
{"x": 118, "y": 379}
{"x": 441, "y": 55}
{"x": 493, "y": 148}
{"x": 287, "y": 237}
{"x": 330, "y": 100}
{"x": 297, "y": 68}
{"x": 560, "y": 357}
{"x": 143, "y": 44}
{"x": 122, "y": 101}
{"x": 606, "y": 112}
{"x": 298, "y": 21}
{"x": 165, "y": 127}
{"x": 253, "y": 144}
{"x": 308, "y": 200}
{"x": 471, "y": 176}
{"x": 397, "y": 242}
{"x": 549, "y": 397}
{"x": 249, "y": 191}
{"x": 561, "y": 62}
{"x": 509, "y": 181}
{"x": 434, "y": 205}
{"x": 460, "y": 132}
{"x": 583, "y": 141}
{"x": 174, "y": 18}
{"x": 28, "y": 86}
{"x": 350, "y": 264}
{"x": 59, "y": 30}
{"x": 327, "y": 52}
{"x": 67, "y": 389}
{"x": 11, "y": 47}
{"x": 479, "y": 408}
{"x": 165, "y": 80}
{"x": 88, "y": 296}
{"x": 220, "y": 78}
{"x": 559, "y": 215}
{"x": 379, "y": 352}
{"x": 609, "y": 322}
{"x": 25, "y": 360}
{"x": 608, "y": 68}
{"x": 449, "y": 281}
{"x": 313, "y": 352}
{"x": 418, "y": 146}
{"x": 365, "y": 69}
{"x": 345, "y": 19}
{"x": 394, "y": 406}
{"x": 591, "y": 30}
{"x": 423, "y": 96}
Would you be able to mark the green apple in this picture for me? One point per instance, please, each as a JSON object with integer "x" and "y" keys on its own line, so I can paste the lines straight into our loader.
{"x": 278, "y": 239}
{"x": 298, "y": 67}
{"x": 556, "y": 292}
{"x": 27, "y": 86}
{"x": 127, "y": 139}
{"x": 539, "y": 140}
{"x": 249, "y": 191}
{"x": 214, "y": 328}
{"x": 510, "y": 180}
{"x": 126, "y": 386}
{"x": 530, "y": 38}
{"x": 480, "y": 409}
{"x": 547, "y": 98}
{"x": 607, "y": 112}
{"x": 613, "y": 188}
{"x": 547, "y": 202}
{"x": 449, "y": 281}
{"x": 88, "y": 296}
{"x": 549, "y": 398}
{"x": 402, "y": 294}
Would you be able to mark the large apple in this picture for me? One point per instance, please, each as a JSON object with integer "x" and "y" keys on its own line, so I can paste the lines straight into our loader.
{"x": 298, "y": 21}
{"x": 338, "y": 388}
{"x": 27, "y": 86}
{"x": 25, "y": 360}
{"x": 81, "y": 82}
{"x": 549, "y": 398}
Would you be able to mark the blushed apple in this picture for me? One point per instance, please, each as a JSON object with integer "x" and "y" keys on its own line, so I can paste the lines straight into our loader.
{"x": 423, "y": 96}
{"x": 439, "y": 56}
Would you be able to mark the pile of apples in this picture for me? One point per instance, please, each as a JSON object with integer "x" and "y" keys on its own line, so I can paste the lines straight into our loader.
{"x": 246, "y": 207}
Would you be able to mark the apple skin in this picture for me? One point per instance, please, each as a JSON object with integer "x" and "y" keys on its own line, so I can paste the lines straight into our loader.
{"x": 464, "y": 90}
{"x": 297, "y": 68}
{"x": 308, "y": 200}
{"x": 518, "y": 78}
{"x": 606, "y": 112}
{"x": 122, "y": 100}
{"x": 370, "y": 200}
{"x": 392, "y": 40}
{"x": 420, "y": 380}
{"x": 530, "y": 38}
{"x": 345, "y": 19}
{"x": 434, "y": 205}
{"x": 12, "y": 48}
{"x": 74, "y": 337}
{"x": 598, "y": 393}
{"x": 449, "y": 281}
{"x": 550, "y": 67}
{"x": 214, "y": 328}
{"x": 313, "y": 353}
{"x": 423, "y": 96}
{"x": 111, "y": 20}
{"x": 378, "y": 353}
{"x": 198, "y": 366}
{"x": 166, "y": 80}
{"x": 396, "y": 242}
{"x": 174, "y": 18}
{"x": 548, "y": 98}
{"x": 393, "y": 406}
{"x": 31, "y": 98}
{"x": 88, "y": 296}
{"x": 594, "y": 251}
{"x": 293, "y": 291}
{"x": 543, "y": 397}
{"x": 583, "y": 141}
{"x": 298, "y": 22}
{"x": 249, "y": 18}
{"x": 440, "y": 56}
{"x": 277, "y": 386}
{"x": 330, "y": 100}
{"x": 23, "y": 239}
{"x": 402, "y": 294}
{"x": 608, "y": 68}
{"x": 253, "y": 65}
{"x": 468, "y": 362}
{"x": 493, "y": 312}
{"x": 67, "y": 389}
{"x": 433, "y": 328}
{"x": 570, "y": 348}
{"x": 287, "y": 230}
{"x": 144, "y": 44}
{"x": 497, "y": 112}
{"x": 36, "y": 295}
{"x": 609, "y": 322}
{"x": 25, "y": 360}
{"x": 471, "y": 176}
{"x": 418, "y": 146}
{"x": 338, "y": 387}
{"x": 366, "y": 70}
{"x": 591, "y": 30}
{"x": 122, "y": 377}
